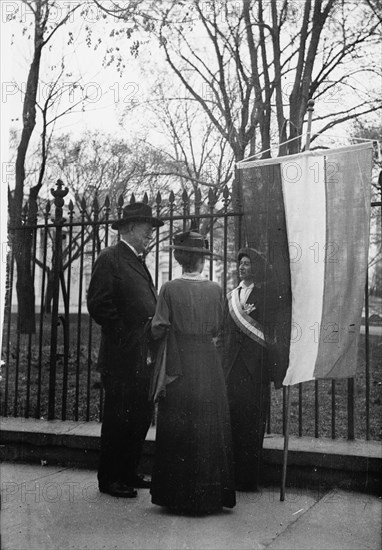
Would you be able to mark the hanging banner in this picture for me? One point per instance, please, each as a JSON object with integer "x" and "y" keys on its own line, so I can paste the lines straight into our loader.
{"x": 310, "y": 214}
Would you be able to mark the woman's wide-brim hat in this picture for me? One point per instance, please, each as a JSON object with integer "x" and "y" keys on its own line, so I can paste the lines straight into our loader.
{"x": 137, "y": 212}
{"x": 253, "y": 255}
{"x": 190, "y": 241}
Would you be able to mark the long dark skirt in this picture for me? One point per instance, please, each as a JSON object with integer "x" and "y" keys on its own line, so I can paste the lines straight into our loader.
{"x": 248, "y": 402}
{"x": 193, "y": 468}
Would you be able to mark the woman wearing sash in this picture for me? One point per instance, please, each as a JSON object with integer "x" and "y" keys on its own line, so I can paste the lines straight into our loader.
{"x": 193, "y": 465}
{"x": 246, "y": 367}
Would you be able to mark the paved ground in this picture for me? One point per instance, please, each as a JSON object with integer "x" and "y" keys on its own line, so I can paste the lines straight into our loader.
{"x": 46, "y": 507}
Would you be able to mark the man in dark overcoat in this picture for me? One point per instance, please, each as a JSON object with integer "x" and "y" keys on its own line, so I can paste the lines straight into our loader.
{"x": 122, "y": 299}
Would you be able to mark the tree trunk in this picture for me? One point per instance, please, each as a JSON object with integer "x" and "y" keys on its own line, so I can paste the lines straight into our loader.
{"x": 25, "y": 286}
{"x": 23, "y": 238}
{"x": 295, "y": 126}
{"x": 237, "y": 194}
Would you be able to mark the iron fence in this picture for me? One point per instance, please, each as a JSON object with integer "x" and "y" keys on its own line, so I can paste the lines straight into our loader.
{"x": 52, "y": 373}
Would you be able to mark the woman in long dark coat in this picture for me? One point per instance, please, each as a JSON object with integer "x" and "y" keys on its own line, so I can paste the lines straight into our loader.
{"x": 193, "y": 467}
{"x": 246, "y": 367}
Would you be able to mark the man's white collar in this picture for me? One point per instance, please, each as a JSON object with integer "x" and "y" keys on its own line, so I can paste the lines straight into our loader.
{"x": 246, "y": 287}
{"x": 130, "y": 246}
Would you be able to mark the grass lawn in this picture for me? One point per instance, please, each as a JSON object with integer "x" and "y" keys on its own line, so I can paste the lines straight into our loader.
{"x": 340, "y": 397}
{"x": 29, "y": 359}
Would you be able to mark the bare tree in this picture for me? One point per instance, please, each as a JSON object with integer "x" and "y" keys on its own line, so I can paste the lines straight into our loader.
{"x": 195, "y": 157}
{"x": 252, "y": 65}
{"x": 194, "y": 154}
{"x": 43, "y": 33}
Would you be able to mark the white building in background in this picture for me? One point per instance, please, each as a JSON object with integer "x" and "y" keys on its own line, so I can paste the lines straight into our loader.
{"x": 72, "y": 275}
{"x": 164, "y": 267}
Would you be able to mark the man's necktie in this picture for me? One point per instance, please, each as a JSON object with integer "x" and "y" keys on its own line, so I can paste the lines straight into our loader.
{"x": 142, "y": 261}
{"x": 240, "y": 295}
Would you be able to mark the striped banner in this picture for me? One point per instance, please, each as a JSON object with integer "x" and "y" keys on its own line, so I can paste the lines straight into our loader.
{"x": 246, "y": 324}
{"x": 323, "y": 198}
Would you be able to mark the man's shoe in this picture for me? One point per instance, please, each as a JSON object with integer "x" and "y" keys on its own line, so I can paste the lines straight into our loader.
{"x": 139, "y": 481}
{"x": 118, "y": 489}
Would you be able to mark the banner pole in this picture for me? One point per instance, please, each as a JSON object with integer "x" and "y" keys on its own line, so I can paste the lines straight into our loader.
{"x": 286, "y": 441}
{"x": 310, "y": 109}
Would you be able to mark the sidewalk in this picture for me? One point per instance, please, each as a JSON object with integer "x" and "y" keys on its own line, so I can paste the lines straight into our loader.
{"x": 49, "y": 507}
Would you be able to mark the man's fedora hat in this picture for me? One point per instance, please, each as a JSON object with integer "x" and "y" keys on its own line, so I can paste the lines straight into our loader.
{"x": 190, "y": 241}
{"x": 137, "y": 212}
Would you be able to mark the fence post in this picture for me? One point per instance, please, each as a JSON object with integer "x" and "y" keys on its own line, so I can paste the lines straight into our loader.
{"x": 58, "y": 195}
